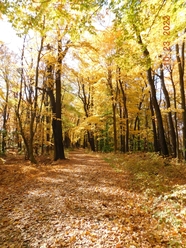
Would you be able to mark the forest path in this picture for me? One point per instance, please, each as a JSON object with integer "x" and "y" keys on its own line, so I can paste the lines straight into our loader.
{"x": 78, "y": 202}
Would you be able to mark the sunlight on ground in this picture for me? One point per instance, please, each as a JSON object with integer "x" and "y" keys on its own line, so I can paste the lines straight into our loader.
{"x": 38, "y": 193}
{"x": 51, "y": 180}
{"x": 86, "y": 203}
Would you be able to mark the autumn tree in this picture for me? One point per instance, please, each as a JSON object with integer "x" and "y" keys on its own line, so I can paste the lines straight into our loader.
{"x": 124, "y": 125}
{"x": 54, "y": 77}
{"x": 28, "y": 99}
{"x": 69, "y": 19}
{"x": 139, "y": 22}
{"x": 7, "y": 76}
{"x": 180, "y": 57}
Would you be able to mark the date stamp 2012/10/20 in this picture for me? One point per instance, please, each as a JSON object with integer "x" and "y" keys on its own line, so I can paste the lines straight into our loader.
{"x": 166, "y": 44}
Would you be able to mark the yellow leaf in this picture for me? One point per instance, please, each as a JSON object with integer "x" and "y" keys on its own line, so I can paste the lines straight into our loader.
{"x": 73, "y": 239}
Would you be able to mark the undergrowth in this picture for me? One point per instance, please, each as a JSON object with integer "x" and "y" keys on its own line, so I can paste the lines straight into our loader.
{"x": 163, "y": 182}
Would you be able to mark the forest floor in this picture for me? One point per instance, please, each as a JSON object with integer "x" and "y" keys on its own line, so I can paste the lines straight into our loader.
{"x": 93, "y": 200}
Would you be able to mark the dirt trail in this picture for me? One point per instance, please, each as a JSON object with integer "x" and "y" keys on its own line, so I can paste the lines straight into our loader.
{"x": 79, "y": 202}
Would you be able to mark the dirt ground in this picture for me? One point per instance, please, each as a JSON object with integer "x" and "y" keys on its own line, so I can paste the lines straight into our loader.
{"x": 79, "y": 202}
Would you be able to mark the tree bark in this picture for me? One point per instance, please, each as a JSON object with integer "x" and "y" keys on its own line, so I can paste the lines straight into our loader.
{"x": 181, "y": 62}
{"x": 155, "y": 136}
{"x": 175, "y": 114}
{"x": 170, "y": 120}
{"x": 109, "y": 80}
{"x": 122, "y": 130}
{"x": 125, "y": 114}
{"x": 55, "y": 101}
{"x": 86, "y": 96}
{"x": 161, "y": 133}
{"x": 5, "y": 116}
{"x": 57, "y": 121}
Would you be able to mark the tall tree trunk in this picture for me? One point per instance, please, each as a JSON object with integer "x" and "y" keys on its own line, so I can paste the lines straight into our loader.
{"x": 5, "y": 116}
{"x": 170, "y": 120}
{"x": 150, "y": 78}
{"x": 35, "y": 105}
{"x": 32, "y": 101}
{"x": 181, "y": 64}
{"x": 91, "y": 141}
{"x": 55, "y": 101}
{"x": 155, "y": 135}
{"x": 86, "y": 96}
{"x": 57, "y": 120}
{"x": 114, "y": 126}
{"x": 175, "y": 114}
{"x": 122, "y": 130}
{"x": 125, "y": 112}
{"x": 28, "y": 139}
{"x": 161, "y": 133}
{"x": 137, "y": 126}
{"x": 113, "y": 97}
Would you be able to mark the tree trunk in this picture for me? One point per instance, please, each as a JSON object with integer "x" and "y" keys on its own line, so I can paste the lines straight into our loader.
{"x": 155, "y": 136}
{"x": 5, "y": 116}
{"x": 55, "y": 102}
{"x": 113, "y": 96}
{"x": 181, "y": 63}
{"x": 56, "y": 119}
{"x": 86, "y": 96}
{"x": 122, "y": 134}
{"x": 91, "y": 140}
{"x": 161, "y": 133}
{"x": 57, "y": 122}
{"x": 175, "y": 114}
{"x": 125, "y": 113}
{"x": 162, "y": 140}
{"x": 32, "y": 105}
{"x": 170, "y": 120}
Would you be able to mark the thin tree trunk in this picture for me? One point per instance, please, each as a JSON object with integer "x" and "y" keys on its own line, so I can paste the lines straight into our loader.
{"x": 122, "y": 134}
{"x": 175, "y": 114}
{"x": 155, "y": 136}
{"x": 87, "y": 100}
{"x": 125, "y": 114}
{"x": 34, "y": 110}
{"x": 109, "y": 80}
{"x": 5, "y": 116}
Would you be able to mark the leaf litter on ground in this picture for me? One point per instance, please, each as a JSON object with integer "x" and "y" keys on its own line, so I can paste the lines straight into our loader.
{"x": 93, "y": 200}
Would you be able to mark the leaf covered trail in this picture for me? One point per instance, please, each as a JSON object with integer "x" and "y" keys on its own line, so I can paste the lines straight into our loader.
{"x": 79, "y": 202}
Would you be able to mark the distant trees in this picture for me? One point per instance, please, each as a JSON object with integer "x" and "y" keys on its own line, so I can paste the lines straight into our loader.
{"x": 8, "y": 94}
{"x": 6, "y": 77}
